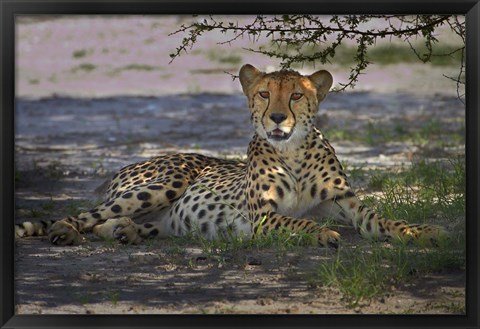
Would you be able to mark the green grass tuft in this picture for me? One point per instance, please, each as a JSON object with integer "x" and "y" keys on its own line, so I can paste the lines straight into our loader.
{"x": 433, "y": 133}
{"x": 425, "y": 191}
{"x": 372, "y": 269}
{"x": 139, "y": 67}
{"x": 79, "y": 53}
{"x": 85, "y": 67}
{"x": 387, "y": 53}
{"x": 224, "y": 57}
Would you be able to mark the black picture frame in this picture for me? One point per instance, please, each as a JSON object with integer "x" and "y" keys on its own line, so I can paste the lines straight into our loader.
{"x": 10, "y": 8}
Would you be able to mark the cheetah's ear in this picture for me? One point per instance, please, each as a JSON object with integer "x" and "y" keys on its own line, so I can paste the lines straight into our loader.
{"x": 248, "y": 74}
{"x": 322, "y": 80}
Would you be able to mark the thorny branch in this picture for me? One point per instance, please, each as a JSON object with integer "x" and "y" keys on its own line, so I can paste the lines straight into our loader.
{"x": 300, "y": 39}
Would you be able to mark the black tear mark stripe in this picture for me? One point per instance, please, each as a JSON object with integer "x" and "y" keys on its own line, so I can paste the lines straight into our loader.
{"x": 293, "y": 113}
{"x": 265, "y": 112}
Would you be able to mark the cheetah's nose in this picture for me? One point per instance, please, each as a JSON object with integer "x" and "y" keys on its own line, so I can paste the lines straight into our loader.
{"x": 278, "y": 117}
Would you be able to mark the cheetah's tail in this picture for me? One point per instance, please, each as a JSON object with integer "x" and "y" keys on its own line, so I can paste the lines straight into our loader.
{"x": 26, "y": 229}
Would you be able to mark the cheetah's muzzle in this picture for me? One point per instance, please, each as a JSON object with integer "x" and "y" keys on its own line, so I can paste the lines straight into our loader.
{"x": 279, "y": 135}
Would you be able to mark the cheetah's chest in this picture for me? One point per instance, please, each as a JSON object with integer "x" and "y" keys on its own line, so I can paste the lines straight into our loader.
{"x": 289, "y": 189}
{"x": 296, "y": 200}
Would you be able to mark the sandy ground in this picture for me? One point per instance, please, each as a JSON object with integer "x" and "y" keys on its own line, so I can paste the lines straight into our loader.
{"x": 75, "y": 127}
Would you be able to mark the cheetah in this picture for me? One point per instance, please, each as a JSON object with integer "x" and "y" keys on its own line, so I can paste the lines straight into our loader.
{"x": 291, "y": 171}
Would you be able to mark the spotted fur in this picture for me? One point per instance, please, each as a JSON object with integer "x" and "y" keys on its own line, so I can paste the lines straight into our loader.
{"x": 291, "y": 171}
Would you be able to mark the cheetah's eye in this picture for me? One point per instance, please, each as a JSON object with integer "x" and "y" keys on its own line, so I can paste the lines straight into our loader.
{"x": 296, "y": 96}
{"x": 264, "y": 94}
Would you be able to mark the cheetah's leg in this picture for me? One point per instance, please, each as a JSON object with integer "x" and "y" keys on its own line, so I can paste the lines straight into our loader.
{"x": 269, "y": 221}
{"x": 265, "y": 219}
{"x": 263, "y": 215}
{"x": 131, "y": 204}
{"x": 126, "y": 230}
{"x": 349, "y": 209}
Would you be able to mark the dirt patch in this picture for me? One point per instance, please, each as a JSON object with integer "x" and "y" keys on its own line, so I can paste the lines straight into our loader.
{"x": 99, "y": 279}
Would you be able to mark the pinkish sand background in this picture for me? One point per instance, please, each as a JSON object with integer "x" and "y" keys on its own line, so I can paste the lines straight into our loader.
{"x": 130, "y": 55}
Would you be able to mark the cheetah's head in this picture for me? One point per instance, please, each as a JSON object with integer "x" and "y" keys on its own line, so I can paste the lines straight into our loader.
{"x": 283, "y": 104}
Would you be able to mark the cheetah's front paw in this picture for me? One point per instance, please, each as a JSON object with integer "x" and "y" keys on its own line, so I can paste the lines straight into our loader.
{"x": 430, "y": 235}
{"x": 328, "y": 238}
{"x": 122, "y": 229}
{"x": 127, "y": 233}
{"x": 62, "y": 233}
